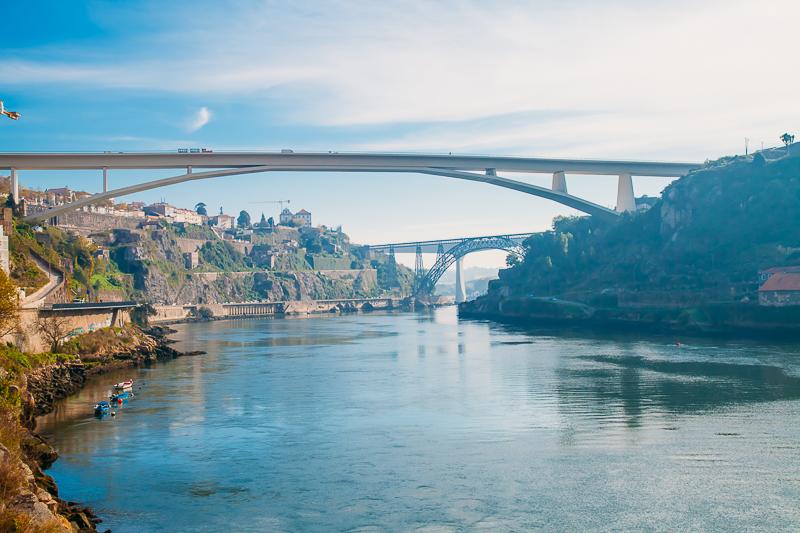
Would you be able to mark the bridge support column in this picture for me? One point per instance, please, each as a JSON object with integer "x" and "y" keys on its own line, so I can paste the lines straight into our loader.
{"x": 15, "y": 185}
{"x": 105, "y": 179}
{"x": 559, "y": 182}
{"x": 626, "y": 201}
{"x": 461, "y": 291}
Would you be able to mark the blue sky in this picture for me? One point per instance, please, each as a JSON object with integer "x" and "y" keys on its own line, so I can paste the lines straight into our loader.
{"x": 673, "y": 80}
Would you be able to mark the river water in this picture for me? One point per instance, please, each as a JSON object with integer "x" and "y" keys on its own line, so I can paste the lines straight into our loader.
{"x": 405, "y": 422}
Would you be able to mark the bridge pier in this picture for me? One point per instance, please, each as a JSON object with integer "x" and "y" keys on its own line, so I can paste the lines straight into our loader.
{"x": 461, "y": 290}
{"x": 105, "y": 179}
{"x": 626, "y": 201}
{"x": 15, "y": 185}
{"x": 559, "y": 182}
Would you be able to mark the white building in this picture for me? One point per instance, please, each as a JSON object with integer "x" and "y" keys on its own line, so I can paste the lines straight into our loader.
{"x": 174, "y": 214}
{"x": 223, "y": 221}
{"x": 4, "y": 251}
{"x": 304, "y": 217}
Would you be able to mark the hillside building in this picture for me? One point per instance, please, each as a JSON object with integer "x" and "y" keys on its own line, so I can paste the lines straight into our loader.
{"x": 781, "y": 289}
{"x": 222, "y": 221}
{"x": 4, "y": 251}
{"x": 173, "y": 214}
{"x": 301, "y": 219}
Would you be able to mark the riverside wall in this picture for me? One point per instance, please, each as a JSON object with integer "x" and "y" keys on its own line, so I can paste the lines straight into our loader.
{"x": 29, "y": 338}
{"x": 178, "y": 313}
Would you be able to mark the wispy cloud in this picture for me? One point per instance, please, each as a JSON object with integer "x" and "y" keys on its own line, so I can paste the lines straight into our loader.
{"x": 635, "y": 74}
{"x": 200, "y": 119}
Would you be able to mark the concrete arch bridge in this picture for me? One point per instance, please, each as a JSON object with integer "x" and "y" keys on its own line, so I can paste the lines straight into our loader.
{"x": 449, "y": 251}
{"x": 483, "y": 169}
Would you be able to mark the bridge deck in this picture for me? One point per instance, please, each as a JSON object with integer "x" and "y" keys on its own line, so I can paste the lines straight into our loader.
{"x": 165, "y": 160}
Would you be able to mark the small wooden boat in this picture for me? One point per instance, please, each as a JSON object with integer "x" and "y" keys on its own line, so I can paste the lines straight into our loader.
{"x": 127, "y": 384}
{"x": 102, "y": 408}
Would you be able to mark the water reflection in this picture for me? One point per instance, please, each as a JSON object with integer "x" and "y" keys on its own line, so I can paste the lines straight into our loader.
{"x": 398, "y": 422}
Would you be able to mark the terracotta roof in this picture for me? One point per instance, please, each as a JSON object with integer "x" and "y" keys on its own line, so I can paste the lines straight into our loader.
{"x": 782, "y": 281}
{"x": 302, "y": 212}
{"x": 775, "y": 270}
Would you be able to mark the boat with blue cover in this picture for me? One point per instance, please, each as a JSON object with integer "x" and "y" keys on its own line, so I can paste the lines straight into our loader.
{"x": 119, "y": 396}
{"x": 102, "y": 408}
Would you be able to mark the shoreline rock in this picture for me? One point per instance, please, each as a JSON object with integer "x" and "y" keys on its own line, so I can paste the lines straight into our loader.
{"x": 39, "y": 392}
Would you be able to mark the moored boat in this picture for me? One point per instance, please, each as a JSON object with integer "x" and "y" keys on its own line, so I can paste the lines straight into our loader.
{"x": 119, "y": 397}
{"x": 127, "y": 384}
{"x": 102, "y": 408}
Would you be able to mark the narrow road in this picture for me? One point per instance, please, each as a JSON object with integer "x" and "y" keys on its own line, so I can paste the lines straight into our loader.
{"x": 37, "y": 299}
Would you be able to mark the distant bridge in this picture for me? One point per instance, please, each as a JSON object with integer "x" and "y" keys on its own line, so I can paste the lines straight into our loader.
{"x": 449, "y": 251}
{"x": 482, "y": 169}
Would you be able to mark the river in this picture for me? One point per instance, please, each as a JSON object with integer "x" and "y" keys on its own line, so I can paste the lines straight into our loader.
{"x": 404, "y": 422}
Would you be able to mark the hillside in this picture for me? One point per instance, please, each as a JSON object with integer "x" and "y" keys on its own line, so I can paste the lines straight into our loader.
{"x": 703, "y": 242}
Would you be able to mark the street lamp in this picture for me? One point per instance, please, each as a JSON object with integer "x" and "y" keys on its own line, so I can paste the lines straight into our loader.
{"x": 13, "y": 115}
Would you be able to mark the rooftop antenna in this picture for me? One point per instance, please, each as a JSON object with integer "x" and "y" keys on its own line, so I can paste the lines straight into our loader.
{"x": 746, "y": 145}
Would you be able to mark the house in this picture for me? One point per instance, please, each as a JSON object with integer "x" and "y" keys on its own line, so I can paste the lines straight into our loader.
{"x": 764, "y": 275}
{"x": 173, "y": 214}
{"x": 6, "y": 219}
{"x": 222, "y": 221}
{"x": 781, "y": 289}
{"x": 286, "y": 216}
{"x": 191, "y": 260}
{"x": 302, "y": 218}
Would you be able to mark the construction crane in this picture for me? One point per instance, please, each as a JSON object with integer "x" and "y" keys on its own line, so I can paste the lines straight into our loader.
{"x": 13, "y": 115}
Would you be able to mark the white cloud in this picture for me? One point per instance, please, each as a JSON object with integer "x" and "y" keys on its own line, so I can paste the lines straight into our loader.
{"x": 200, "y": 119}
{"x": 645, "y": 77}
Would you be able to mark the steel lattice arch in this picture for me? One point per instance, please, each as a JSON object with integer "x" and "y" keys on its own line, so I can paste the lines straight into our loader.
{"x": 426, "y": 279}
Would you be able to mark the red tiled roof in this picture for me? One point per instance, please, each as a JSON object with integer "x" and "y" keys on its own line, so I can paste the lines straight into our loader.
{"x": 782, "y": 281}
{"x": 302, "y": 212}
{"x": 775, "y": 270}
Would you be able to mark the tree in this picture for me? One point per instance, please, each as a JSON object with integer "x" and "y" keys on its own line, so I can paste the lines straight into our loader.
{"x": 200, "y": 208}
{"x": 10, "y": 201}
{"x": 271, "y": 222}
{"x": 787, "y": 139}
{"x": 53, "y": 329}
{"x": 243, "y": 221}
{"x": 9, "y": 318}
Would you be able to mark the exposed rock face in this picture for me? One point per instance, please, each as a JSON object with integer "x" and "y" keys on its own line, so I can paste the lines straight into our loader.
{"x": 54, "y": 382}
{"x": 37, "y": 498}
{"x": 32, "y": 500}
{"x": 155, "y": 260}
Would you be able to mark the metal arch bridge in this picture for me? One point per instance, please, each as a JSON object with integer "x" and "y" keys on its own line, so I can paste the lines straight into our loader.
{"x": 482, "y": 169}
{"x": 449, "y": 251}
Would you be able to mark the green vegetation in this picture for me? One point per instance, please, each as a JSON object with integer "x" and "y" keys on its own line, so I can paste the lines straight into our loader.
{"x": 224, "y": 256}
{"x": 706, "y": 238}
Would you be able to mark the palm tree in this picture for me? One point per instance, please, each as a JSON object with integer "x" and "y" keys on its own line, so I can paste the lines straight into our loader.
{"x": 787, "y": 139}
{"x": 200, "y": 208}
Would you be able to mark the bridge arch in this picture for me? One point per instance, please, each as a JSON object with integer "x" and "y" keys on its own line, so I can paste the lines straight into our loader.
{"x": 425, "y": 282}
{"x": 490, "y": 178}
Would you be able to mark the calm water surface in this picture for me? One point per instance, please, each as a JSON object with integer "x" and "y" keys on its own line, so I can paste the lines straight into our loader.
{"x": 422, "y": 422}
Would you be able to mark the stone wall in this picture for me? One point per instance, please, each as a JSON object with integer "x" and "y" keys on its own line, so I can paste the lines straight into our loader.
{"x": 96, "y": 221}
{"x": 29, "y": 339}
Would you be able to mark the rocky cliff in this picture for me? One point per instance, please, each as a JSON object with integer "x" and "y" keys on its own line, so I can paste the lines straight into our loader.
{"x": 155, "y": 260}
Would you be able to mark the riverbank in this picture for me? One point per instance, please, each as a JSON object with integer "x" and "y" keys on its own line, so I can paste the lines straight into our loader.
{"x": 712, "y": 320}
{"x": 177, "y": 314}
{"x": 31, "y": 384}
